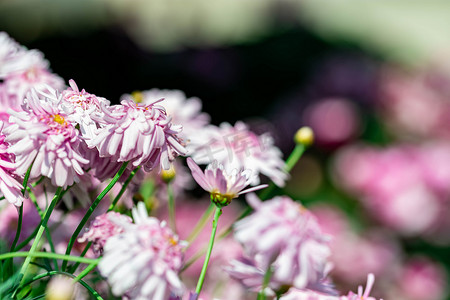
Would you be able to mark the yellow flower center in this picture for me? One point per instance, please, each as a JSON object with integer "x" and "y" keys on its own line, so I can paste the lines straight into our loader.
{"x": 58, "y": 119}
{"x": 138, "y": 97}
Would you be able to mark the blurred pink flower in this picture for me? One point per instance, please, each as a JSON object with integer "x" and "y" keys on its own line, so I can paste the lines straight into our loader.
{"x": 143, "y": 261}
{"x": 333, "y": 120}
{"x": 236, "y": 147}
{"x": 143, "y": 135}
{"x": 10, "y": 52}
{"x": 394, "y": 183}
{"x": 420, "y": 279}
{"x": 9, "y": 186}
{"x": 223, "y": 186}
{"x": 9, "y": 217}
{"x": 284, "y": 235}
{"x": 102, "y": 228}
{"x": 41, "y": 135}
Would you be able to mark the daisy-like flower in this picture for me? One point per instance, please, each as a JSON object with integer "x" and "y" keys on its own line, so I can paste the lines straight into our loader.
{"x": 143, "y": 261}
{"x": 31, "y": 71}
{"x": 236, "y": 147}
{"x": 103, "y": 227}
{"x": 223, "y": 186}
{"x": 9, "y": 186}
{"x": 141, "y": 134}
{"x": 284, "y": 236}
{"x": 186, "y": 111}
{"x": 84, "y": 109}
{"x": 41, "y": 135}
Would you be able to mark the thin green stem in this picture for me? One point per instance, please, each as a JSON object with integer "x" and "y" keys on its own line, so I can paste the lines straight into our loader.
{"x": 171, "y": 204}
{"x": 86, "y": 271}
{"x": 123, "y": 189}
{"x": 28, "y": 239}
{"x": 200, "y": 224}
{"x": 91, "y": 210}
{"x": 64, "y": 257}
{"x": 48, "y": 212}
{"x": 75, "y": 266}
{"x": 47, "y": 231}
{"x": 201, "y": 279}
{"x": 265, "y": 284}
{"x": 51, "y": 273}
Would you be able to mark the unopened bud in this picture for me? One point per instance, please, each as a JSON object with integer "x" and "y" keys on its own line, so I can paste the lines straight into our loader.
{"x": 168, "y": 175}
{"x": 304, "y": 136}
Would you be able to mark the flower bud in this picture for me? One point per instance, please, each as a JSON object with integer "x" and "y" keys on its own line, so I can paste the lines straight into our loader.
{"x": 304, "y": 136}
{"x": 168, "y": 175}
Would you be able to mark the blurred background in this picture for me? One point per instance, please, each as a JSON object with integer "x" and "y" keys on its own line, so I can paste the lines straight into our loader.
{"x": 372, "y": 78}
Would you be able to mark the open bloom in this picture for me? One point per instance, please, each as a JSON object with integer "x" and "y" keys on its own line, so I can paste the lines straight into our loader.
{"x": 141, "y": 134}
{"x": 103, "y": 227}
{"x": 41, "y": 136}
{"x": 223, "y": 186}
{"x": 9, "y": 186}
{"x": 236, "y": 147}
{"x": 84, "y": 109}
{"x": 186, "y": 111}
{"x": 284, "y": 236}
{"x": 143, "y": 261}
{"x": 362, "y": 295}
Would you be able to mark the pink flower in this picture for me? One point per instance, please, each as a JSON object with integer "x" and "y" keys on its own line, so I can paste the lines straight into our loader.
{"x": 421, "y": 279}
{"x": 102, "y": 228}
{"x": 186, "y": 111}
{"x": 283, "y": 235}
{"x": 143, "y": 135}
{"x": 296, "y": 294}
{"x": 31, "y": 72}
{"x": 10, "y": 52}
{"x": 9, "y": 186}
{"x": 84, "y": 109}
{"x": 236, "y": 147}
{"x": 41, "y": 135}
{"x": 222, "y": 186}
{"x": 143, "y": 261}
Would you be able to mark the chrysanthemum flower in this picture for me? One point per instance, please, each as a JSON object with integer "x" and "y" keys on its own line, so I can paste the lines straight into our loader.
{"x": 284, "y": 236}
{"x": 143, "y": 261}
{"x": 143, "y": 135}
{"x": 9, "y": 186}
{"x": 86, "y": 110}
{"x": 31, "y": 71}
{"x": 223, "y": 186}
{"x": 41, "y": 135}
{"x": 236, "y": 147}
{"x": 103, "y": 227}
{"x": 186, "y": 111}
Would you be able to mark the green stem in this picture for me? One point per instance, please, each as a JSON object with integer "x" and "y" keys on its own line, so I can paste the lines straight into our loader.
{"x": 48, "y": 212}
{"x": 201, "y": 279}
{"x": 123, "y": 189}
{"x": 91, "y": 210}
{"x": 265, "y": 284}
{"x": 47, "y": 231}
{"x": 87, "y": 270}
{"x": 75, "y": 266}
{"x": 51, "y": 273}
{"x": 30, "y": 254}
{"x": 200, "y": 224}
{"x": 28, "y": 239}
{"x": 171, "y": 204}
